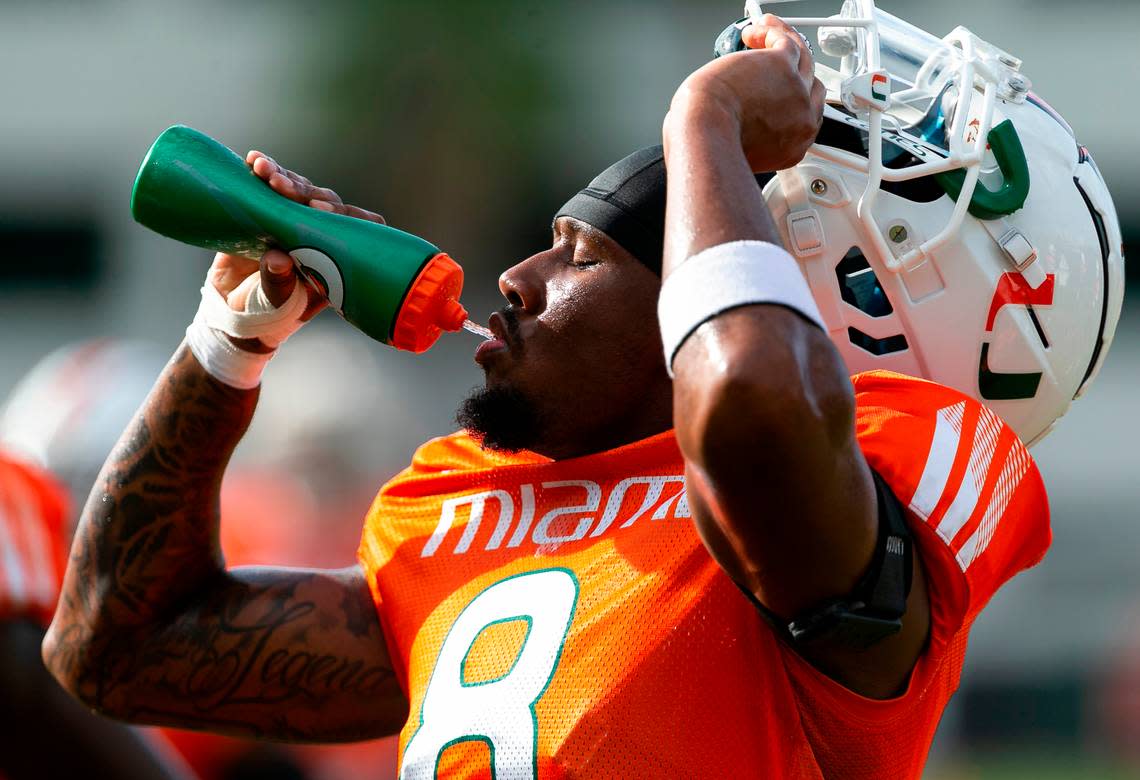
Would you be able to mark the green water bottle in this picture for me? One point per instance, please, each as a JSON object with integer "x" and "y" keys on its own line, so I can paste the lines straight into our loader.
{"x": 396, "y": 287}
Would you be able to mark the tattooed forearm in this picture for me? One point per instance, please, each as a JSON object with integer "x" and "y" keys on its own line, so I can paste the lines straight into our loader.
{"x": 260, "y": 644}
{"x": 149, "y": 530}
{"x": 151, "y": 628}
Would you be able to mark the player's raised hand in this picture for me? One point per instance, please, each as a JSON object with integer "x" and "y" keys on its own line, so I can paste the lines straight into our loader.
{"x": 770, "y": 92}
{"x": 236, "y": 277}
{"x": 298, "y": 188}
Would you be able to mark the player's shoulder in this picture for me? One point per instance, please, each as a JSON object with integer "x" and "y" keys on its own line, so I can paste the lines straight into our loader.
{"x": 907, "y": 424}
{"x": 896, "y": 412}
{"x": 877, "y": 390}
{"x": 973, "y": 494}
{"x": 457, "y": 453}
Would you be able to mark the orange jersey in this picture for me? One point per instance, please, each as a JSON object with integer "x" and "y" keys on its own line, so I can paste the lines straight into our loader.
{"x": 33, "y": 544}
{"x": 563, "y": 619}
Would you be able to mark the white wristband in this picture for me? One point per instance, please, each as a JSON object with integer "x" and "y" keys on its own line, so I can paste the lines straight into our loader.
{"x": 725, "y": 277}
{"x": 226, "y": 362}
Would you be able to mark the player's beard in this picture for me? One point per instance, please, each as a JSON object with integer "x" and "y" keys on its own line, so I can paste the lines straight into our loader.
{"x": 502, "y": 418}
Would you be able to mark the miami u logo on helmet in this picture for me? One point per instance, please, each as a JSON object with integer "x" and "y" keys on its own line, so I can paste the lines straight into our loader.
{"x": 1013, "y": 290}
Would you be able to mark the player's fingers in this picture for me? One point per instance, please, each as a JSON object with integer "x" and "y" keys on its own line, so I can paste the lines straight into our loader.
{"x": 774, "y": 22}
{"x": 320, "y": 193}
{"x": 795, "y": 46}
{"x": 318, "y": 296}
{"x": 807, "y": 56}
{"x": 781, "y": 42}
{"x": 285, "y": 186}
{"x": 317, "y": 302}
{"x": 278, "y": 276}
{"x": 290, "y": 183}
{"x": 370, "y": 216}
{"x": 263, "y": 165}
{"x": 818, "y": 98}
{"x": 228, "y": 271}
{"x": 755, "y": 34}
{"x": 307, "y": 190}
{"x": 299, "y": 188}
{"x": 774, "y": 33}
{"x": 291, "y": 186}
{"x": 788, "y": 42}
{"x": 333, "y": 207}
{"x": 348, "y": 211}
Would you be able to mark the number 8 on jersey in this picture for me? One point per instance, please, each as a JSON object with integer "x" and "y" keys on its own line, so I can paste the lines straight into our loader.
{"x": 498, "y": 712}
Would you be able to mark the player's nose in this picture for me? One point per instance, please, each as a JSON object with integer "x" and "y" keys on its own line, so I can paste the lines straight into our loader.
{"x": 524, "y": 286}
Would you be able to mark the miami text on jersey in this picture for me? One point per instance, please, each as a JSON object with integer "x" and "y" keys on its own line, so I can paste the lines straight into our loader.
{"x": 573, "y": 517}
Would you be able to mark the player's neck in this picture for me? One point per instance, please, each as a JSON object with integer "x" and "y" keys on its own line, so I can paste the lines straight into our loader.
{"x": 651, "y": 415}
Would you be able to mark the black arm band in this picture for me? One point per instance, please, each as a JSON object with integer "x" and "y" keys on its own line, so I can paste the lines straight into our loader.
{"x": 874, "y": 608}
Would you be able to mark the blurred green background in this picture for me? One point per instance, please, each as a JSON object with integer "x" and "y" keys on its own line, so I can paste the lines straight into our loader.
{"x": 469, "y": 123}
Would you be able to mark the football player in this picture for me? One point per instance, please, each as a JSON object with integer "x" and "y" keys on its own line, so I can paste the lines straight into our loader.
{"x": 43, "y": 731}
{"x": 699, "y": 549}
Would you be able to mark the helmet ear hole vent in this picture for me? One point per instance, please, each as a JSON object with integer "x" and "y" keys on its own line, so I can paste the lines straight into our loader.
{"x": 879, "y": 347}
{"x": 860, "y": 287}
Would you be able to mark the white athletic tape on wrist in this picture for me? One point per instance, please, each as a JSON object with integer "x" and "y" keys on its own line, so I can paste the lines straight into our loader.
{"x": 260, "y": 320}
{"x": 726, "y": 277}
{"x": 226, "y": 362}
{"x": 221, "y": 359}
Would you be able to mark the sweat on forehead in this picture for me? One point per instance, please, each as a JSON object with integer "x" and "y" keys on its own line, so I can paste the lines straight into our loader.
{"x": 626, "y": 201}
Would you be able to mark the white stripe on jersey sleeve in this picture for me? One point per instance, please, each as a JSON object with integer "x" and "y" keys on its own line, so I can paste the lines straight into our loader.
{"x": 981, "y": 455}
{"x": 932, "y": 492}
{"x": 940, "y": 460}
{"x": 1016, "y": 464}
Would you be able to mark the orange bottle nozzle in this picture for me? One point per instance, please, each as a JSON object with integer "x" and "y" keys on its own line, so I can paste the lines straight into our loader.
{"x": 451, "y": 315}
{"x": 430, "y": 306}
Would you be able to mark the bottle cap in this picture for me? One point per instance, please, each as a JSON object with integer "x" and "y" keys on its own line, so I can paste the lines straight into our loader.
{"x": 430, "y": 306}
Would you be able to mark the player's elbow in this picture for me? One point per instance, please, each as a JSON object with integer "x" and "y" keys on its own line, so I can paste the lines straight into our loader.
{"x": 69, "y": 655}
{"x": 61, "y": 660}
{"x": 763, "y": 410}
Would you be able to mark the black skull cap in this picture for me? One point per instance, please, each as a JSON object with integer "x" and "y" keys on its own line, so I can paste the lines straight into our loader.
{"x": 627, "y": 202}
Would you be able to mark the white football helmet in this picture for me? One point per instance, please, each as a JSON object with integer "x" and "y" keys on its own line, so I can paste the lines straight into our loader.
{"x": 976, "y": 244}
